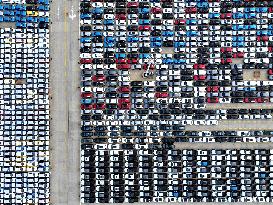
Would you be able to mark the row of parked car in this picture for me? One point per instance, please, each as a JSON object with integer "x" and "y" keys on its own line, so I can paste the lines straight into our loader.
{"x": 24, "y": 102}
{"x": 176, "y": 175}
{"x": 24, "y": 187}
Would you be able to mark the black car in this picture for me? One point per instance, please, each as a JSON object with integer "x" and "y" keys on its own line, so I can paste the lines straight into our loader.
{"x": 87, "y": 128}
{"x": 87, "y": 134}
{"x": 85, "y": 49}
{"x": 97, "y": 61}
{"x": 86, "y": 73}
{"x": 156, "y": 22}
{"x": 144, "y": 49}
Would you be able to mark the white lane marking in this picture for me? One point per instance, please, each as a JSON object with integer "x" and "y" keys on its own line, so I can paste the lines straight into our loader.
{"x": 58, "y": 12}
{"x": 72, "y": 15}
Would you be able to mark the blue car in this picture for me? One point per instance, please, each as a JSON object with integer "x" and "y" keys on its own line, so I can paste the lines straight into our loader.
{"x": 214, "y": 15}
{"x": 167, "y": 61}
{"x": 191, "y": 33}
{"x": 121, "y": 55}
{"x": 250, "y": 27}
{"x": 179, "y": 44}
{"x": 85, "y": 40}
{"x": 237, "y": 27}
{"x": 132, "y": 39}
{"x": 109, "y": 39}
{"x": 108, "y": 45}
{"x": 167, "y": 33}
{"x": 250, "y": 16}
{"x": 96, "y": 33}
{"x": 144, "y": 10}
{"x": 270, "y": 27}
{"x": 144, "y": 22}
{"x": 108, "y": 22}
{"x": 86, "y": 16}
{"x": 86, "y": 101}
{"x": 249, "y": 10}
{"x": 191, "y": 22}
{"x": 97, "y": 10}
{"x": 238, "y": 44}
{"x": 23, "y": 13}
{"x": 238, "y": 38}
{"x": 179, "y": 61}
{"x": 43, "y": 2}
{"x": 261, "y": 9}
{"x": 156, "y": 39}
{"x": 262, "y": 33}
{"x": 202, "y": 5}
{"x": 144, "y": 55}
{"x": 237, "y": 15}
{"x": 156, "y": 44}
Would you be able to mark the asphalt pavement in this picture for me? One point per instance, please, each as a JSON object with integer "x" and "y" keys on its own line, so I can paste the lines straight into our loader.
{"x": 65, "y": 112}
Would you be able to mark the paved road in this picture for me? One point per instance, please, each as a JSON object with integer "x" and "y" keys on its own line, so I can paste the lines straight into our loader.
{"x": 65, "y": 112}
{"x": 235, "y": 125}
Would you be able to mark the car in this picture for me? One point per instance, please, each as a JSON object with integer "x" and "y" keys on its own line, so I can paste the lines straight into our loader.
{"x": 85, "y": 60}
{"x": 87, "y": 95}
{"x": 213, "y": 100}
{"x": 161, "y": 95}
{"x": 98, "y": 78}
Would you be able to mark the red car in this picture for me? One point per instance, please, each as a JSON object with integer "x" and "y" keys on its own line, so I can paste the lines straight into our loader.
{"x": 156, "y": 10}
{"x": 226, "y": 16}
{"x": 238, "y": 55}
{"x": 124, "y": 89}
{"x": 213, "y": 100}
{"x": 121, "y": 17}
{"x": 86, "y": 106}
{"x": 213, "y": 89}
{"x": 262, "y": 38}
{"x": 132, "y": 61}
{"x": 100, "y": 106}
{"x": 262, "y": 100}
{"x": 120, "y": 61}
{"x": 124, "y": 66}
{"x": 180, "y": 21}
{"x": 144, "y": 28}
{"x": 199, "y": 66}
{"x": 199, "y": 77}
{"x": 98, "y": 78}
{"x": 270, "y": 49}
{"x": 162, "y": 95}
{"x": 223, "y": 50}
{"x": 86, "y": 61}
{"x": 270, "y": 71}
{"x": 249, "y": 100}
{"x": 87, "y": 95}
{"x": 132, "y": 4}
{"x": 124, "y": 106}
{"x": 270, "y": 10}
{"x": 145, "y": 66}
{"x": 123, "y": 100}
{"x": 191, "y": 10}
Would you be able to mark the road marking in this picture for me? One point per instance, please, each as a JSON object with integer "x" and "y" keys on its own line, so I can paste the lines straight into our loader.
{"x": 58, "y": 12}
{"x": 72, "y": 15}
{"x": 65, "y": 36}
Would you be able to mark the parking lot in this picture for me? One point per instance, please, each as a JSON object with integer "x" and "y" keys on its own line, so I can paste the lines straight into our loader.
{"x": 163, "y": 75}
{"x": 24, "y": 103}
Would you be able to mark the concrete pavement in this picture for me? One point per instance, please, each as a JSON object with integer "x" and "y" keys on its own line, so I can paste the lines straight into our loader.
{"x": 65, "y": 112}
